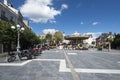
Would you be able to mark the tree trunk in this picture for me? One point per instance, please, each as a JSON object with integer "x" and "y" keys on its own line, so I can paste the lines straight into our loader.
{"x": 109, "y": 48}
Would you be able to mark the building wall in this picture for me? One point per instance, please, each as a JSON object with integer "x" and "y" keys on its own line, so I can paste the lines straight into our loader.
{"x": 26, "y": 22}
{"x": 0, "y": 9}
{"x": 9, "y": 15}
{"x": 102, "y": 39}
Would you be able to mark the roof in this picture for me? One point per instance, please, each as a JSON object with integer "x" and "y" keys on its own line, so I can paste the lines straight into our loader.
{"x": 79, "y": 37}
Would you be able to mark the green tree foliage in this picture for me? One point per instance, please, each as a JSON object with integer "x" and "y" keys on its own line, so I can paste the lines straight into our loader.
{"x": 58, "y": 37}
{"x": 6, "y": 32}
{"x": 28, "y": 38}
{"x": 116, "y": 42}
{"x": 7, "y": 35}
{"x": 48, "y": 37}
{"x": 110, "y": 40}
{"x": 93, "y": 42}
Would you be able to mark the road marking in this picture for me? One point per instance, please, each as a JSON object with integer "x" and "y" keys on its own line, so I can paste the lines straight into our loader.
{"x": 72, "y": 53}
{"x": 47, "y": 59}
{"x": 74, "y": 74}
{"x": 15, "y": 64}
{"x": 63, "y": 68}
{"x": 105, "y": 71}
{"x": 25, "y": 62}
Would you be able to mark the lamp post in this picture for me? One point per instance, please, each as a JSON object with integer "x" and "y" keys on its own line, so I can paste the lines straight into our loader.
{"x": 19, "y": 28}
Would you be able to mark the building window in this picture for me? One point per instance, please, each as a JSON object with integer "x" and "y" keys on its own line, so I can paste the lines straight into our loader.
{"x": 11, "y": 19}
{"x": 3, "y": 17}
{"x": 2, "y": 13}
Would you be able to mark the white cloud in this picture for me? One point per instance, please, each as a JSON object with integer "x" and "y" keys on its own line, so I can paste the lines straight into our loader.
{"x": 51, "y": 31}
{"x": 94, "y": 34}
{"x": 52, "y": 21}
{"x": 64, "y": 6}
{"x": 95, "y": 23}
{"x": 40, "y": 10}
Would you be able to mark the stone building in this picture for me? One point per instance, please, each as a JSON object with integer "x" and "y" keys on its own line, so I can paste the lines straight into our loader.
{"x": 10, "y": 14}
{"x": 102, "y": 39}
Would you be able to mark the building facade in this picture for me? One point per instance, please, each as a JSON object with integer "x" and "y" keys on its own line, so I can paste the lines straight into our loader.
{"x": 10, "y": 14}
{"x": 78, "y": 40}
{"x": 102, "y": 40}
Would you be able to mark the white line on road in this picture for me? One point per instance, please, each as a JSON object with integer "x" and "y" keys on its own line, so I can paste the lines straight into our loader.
{"x": 63, "y": 68}
{"x": 74, "y": 73}
{"x": 47, "y": 59}
{"x": 15, "y": 64}
{"x": 105, "y": 71}
{"x": 10, "y": 64}
{"x": 72, "y": 53}
{"x": 25, "y": 62}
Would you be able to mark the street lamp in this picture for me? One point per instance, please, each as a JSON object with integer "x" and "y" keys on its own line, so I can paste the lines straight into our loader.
{"x": 19, "y": 28}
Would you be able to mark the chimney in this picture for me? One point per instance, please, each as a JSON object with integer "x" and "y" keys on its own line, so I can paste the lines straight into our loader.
{"x": 5, "y": 2}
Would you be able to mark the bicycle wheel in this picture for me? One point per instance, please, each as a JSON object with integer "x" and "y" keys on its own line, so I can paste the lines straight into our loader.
{"x": 11, "y": 59}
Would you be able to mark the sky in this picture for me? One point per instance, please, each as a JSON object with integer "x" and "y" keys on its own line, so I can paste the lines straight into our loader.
{"x": 70, "y": 16}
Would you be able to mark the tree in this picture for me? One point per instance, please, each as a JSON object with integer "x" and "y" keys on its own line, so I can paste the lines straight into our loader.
{"x": 7, "y": 35}
{"x": 48, "y": 37}
{"x": 28, "y": 39}
{"x": 93, "y": 43}
{"x": 58, "y": 37}
{"x": 116, "y": 43}
{"x": 110, "y": 40}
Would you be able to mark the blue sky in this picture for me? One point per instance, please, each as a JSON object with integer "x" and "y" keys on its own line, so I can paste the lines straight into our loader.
{"x": 69, "y": 16}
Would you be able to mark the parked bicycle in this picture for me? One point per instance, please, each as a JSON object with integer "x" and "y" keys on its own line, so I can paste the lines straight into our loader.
{"x": 11, "y": 57}
{"x": 21, "y": 54}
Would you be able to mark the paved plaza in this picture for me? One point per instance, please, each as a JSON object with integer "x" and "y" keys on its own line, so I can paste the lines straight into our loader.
{"x": 58, "y": 64}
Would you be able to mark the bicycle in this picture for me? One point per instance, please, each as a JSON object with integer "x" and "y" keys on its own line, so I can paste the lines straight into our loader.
{"x": 11, "y": 57}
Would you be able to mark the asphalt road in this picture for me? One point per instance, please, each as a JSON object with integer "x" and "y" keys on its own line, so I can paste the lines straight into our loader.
{"x": 64, "y": 65}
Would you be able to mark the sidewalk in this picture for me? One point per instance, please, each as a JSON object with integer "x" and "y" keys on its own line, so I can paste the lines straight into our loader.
{"x": 3, "y": 57}
{"x": 112, "y": 50}
{"x": 3, "y": 54}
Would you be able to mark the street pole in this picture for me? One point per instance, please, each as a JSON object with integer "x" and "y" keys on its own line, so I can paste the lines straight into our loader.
{"x": 18, "y": 38}
{"x": 41, "y": 41}
{"x": 18, "y": 41}
{"x": 109, "y": 49}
